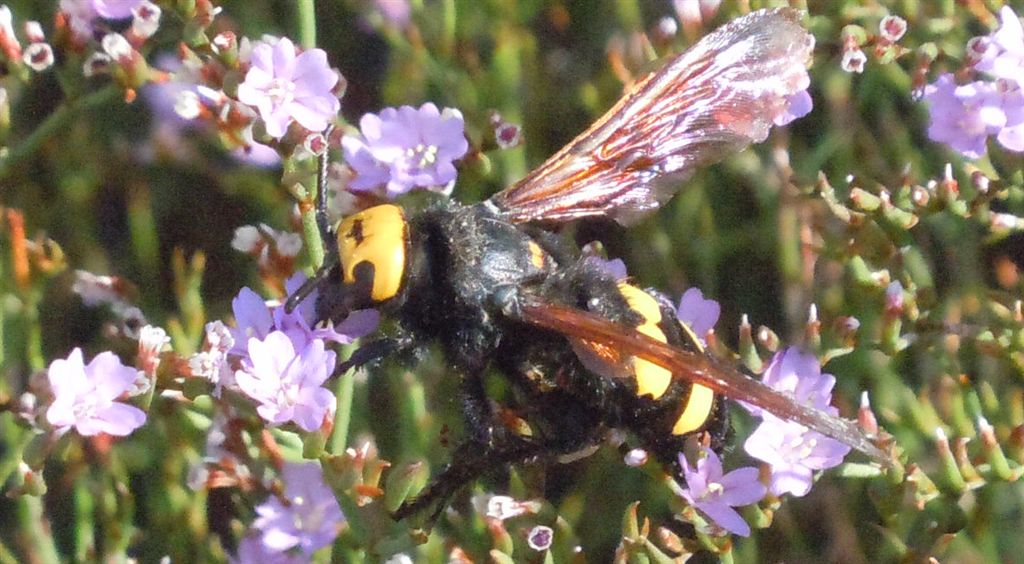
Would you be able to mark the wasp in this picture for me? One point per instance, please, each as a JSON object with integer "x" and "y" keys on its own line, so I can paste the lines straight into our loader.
{"x": 583, "y": 352}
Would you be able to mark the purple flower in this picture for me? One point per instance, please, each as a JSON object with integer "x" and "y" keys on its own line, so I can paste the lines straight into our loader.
{"x": 715, "y": 495}
{"x": 540, "y": 538}
{"x": 311, "y": 518}
{"x": 964, "y": 116}
{"x": 251, "y": 550}
{"x": 797, "y": 106}
{"x": 1002, "y": 53}
{"x": 794, "y": 453}
{"x": 284, "y": 86}
{"x": 1011, "y": 136}
{"x": 698, "y": 313}
{"x": 613, "y": 267}
{"x": 288, "y": 383}
{"x": 404, "y": 148}
{"x": 84, "y": 395}
{"x": 114, "y": 9}
{"x": 254, "y": 318}
{"x": 81, "y": 13}
{"x": 798, "y": 374}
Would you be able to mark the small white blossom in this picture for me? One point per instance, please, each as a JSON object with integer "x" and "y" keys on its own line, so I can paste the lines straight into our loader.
{"x": 247, "y": 239}
{"x": 115, "y": 45}
{"x": 854, "y": 60}
{"x": 97, "y": 63}
{"x": 38, "y": 56}
{"x": 187, "y": 104}
{"x": 145, "y": 19}
{"x": 96, "y": 290}
{"x": 288, "y": 244}
{"x": 34, "y": 32}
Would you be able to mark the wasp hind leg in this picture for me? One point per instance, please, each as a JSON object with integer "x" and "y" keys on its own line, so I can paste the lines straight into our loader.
{"x": 469, "y": 461}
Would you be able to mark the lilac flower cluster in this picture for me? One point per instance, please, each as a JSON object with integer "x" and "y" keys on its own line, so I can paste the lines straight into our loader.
{"x": 715, "y": 493}
{"x": 286, "y": 86}
{"x": 85, "y": 395}
{"x": 82, "y": 13}
{"x": 793, "y": 451}
{"x": 282, "y": 358}
{"x": 405, "y": 148}
{"x": 964, "y": 116}
{"x": 292, "y": 530}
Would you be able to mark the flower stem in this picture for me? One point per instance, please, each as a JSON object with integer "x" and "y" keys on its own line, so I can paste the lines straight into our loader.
{"x": 34, "y": 538}
{"x": 305, "y": 12}
{"x": 56, "y": 122}
{"x": 344, "y": 389}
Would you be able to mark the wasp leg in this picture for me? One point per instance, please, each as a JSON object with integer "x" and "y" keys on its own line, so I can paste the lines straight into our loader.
{"x": 469, "y": 461}
{"x": 374, "y": 351}
{"x": 476, "y": 409}
{"x": 330, "y": 246}
{"x": 323, "y": 220}
{"x": 309, "y": 286}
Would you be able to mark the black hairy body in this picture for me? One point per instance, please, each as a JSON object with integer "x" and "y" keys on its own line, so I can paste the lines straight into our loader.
{"x": 467, "y": 270}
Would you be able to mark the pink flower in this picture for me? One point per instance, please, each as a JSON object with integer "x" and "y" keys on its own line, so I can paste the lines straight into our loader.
{"x": 84, "y": 395}
{"x": 285, "y": 86}
{"x": 405, "y": 148}
{"x": 715, "y": 494}
{"x": 288, "y": 383}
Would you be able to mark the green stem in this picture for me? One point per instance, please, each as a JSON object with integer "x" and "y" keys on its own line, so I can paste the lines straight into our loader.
{"x": 33, "y": 332}
{"x": 58, "y": 121}
{"x": 450, "y": 26}
{"x": 6, "y": 555}
{"x": 34, "y": 538}
{"x": 305, "y": 12}
{"x": 311, "y": 235}
{"x": 345, "y": 388}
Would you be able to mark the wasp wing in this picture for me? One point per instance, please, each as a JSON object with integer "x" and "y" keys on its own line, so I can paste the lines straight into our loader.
{"x": 713, "y": 100}
{"x": 696, "y": 368}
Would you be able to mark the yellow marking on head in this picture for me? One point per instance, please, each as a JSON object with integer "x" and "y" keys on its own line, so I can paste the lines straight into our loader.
{"x": 376, "y": 236}
{"x": 537, "y": 255}
{"x": 700, "y": 401}
{"x": 650, "y": 378}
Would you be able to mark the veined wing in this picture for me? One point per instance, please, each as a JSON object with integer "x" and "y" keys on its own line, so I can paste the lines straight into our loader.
{"x": 713, "y": 100}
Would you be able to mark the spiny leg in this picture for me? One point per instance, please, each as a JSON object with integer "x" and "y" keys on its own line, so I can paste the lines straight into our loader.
{"x": 323, "y": 220}
{"x": 469, "y": 461}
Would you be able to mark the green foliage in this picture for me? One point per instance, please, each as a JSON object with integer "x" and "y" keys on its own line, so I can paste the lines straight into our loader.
{"x": 826, "y": 214}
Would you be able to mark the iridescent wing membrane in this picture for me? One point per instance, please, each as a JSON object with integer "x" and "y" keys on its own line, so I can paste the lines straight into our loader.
{"x": 711, "y": 101}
